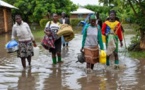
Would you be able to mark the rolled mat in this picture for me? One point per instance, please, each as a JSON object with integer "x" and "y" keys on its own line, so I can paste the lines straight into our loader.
{"x": 66, "y": 31}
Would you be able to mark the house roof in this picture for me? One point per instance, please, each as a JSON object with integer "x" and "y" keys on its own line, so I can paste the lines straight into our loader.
{"x": 82, "y": 10}
{"x": 4, "y": 4}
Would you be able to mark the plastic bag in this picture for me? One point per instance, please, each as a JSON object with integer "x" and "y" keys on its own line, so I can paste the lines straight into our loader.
{"x": 12, "y": 46}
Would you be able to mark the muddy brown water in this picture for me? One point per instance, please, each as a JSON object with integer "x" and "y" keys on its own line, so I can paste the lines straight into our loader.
{"x": 68, "y": 75}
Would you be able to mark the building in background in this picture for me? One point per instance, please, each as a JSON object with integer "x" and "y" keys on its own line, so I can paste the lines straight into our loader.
{"x": 81, "y": 13}
{"x": 5, "y": 17}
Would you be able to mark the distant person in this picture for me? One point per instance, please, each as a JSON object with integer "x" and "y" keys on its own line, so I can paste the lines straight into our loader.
{"x": 54, "y": 26}
{"x": 86, "y": 24}
{"x": 25, "y": 39}
{"x": 64, "y": 20}
{"x": 92, "y": 39}
{"x": 110, "y": 27}
{"x": 98, "y": 21}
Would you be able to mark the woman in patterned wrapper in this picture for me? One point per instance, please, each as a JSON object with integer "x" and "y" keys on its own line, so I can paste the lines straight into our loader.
{"x": 22, "y": 31}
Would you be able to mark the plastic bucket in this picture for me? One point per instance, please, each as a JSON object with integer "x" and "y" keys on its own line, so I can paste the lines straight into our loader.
{"x": 36, "y": 52}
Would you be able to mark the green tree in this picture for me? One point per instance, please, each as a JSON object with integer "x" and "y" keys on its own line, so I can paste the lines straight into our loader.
{"x": 103, "y": 10}
{"x": 34, "y": 10}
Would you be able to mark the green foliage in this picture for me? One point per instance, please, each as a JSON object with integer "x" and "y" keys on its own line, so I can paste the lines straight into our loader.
{"x": 43, "y": 22}
{"x": 132, "y": 11}
{"x": 100, "y": 9}
{"x": 34, "y": 10}
{"x": 75, "y": 21}
{"x": 137, "y": 54}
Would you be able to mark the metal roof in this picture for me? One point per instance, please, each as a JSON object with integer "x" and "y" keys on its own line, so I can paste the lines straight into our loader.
{"x": 82, "y": 10}
{"x": 4, "y": 4}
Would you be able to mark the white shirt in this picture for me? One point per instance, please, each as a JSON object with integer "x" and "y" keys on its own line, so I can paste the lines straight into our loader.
{"x": 53, "y": 26}
{"x": 63, "y": 21}
{"x": 91, "y": 39}
{"x": 22, "y": 31}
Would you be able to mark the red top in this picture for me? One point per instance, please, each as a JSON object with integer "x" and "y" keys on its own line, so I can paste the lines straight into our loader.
{"x": 115, "y": 26}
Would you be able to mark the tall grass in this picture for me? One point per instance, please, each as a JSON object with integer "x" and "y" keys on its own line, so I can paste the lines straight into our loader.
{"x": 137, "y": 54}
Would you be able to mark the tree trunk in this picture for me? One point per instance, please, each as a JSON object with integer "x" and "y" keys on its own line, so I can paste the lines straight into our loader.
{"x": 142, "y": 41}
{"x": 129, "y": 1}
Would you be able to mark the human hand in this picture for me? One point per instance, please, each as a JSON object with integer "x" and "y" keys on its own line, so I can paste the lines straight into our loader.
{"x": 82, "y": 50}
{"x": 48, "y": 33}
{"x": 34, "y": 44}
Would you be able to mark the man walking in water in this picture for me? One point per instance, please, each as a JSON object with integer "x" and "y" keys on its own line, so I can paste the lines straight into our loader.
{"x": 64, "y": 20}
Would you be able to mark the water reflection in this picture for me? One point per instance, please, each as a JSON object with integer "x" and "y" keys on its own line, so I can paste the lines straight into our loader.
{"x": 92, "y": 82}
{"x": 54, "y": 80}
{"x": 68, "y": 75}
{"x": 65, "y": 51}
{"x": 26, "y": 81}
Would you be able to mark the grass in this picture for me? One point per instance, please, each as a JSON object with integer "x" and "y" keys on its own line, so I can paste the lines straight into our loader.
{"x": 39, "y": 32}
{"x": 137, "y": 54}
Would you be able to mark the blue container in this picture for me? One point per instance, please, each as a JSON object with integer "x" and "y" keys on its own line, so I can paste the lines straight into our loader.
{"x": 107, "y": 30}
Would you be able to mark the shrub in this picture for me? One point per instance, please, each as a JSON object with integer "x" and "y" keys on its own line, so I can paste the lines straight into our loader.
{"x": 43, "y": 22}
{"x": 75, "y": 21}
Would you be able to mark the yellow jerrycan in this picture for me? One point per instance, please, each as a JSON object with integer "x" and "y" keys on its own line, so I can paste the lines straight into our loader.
{"x": 102, "y": 57}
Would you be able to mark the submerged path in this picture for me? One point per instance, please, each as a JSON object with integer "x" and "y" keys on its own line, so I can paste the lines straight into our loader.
{"x": 69, "y": 75}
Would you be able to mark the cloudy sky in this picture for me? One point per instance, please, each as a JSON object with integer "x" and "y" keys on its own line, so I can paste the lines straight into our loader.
{"x": 85, "y": 2}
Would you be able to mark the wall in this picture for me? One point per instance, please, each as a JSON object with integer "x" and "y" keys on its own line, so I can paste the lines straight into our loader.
{"x": 5, "y": 20}
{"x": 77, "y": 15}
{"x": 1, "y": 20}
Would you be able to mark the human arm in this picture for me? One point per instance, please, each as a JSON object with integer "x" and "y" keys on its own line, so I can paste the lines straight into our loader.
{"x": 120, "y": 34}
{"x": 100, "y": 38}
{"x": 13, "y": 33}
{"x": 84, "y": 37}
{"x": 32, "y": 37}
{"x": 100, "y": 23}
{"x": 47, "y": 26}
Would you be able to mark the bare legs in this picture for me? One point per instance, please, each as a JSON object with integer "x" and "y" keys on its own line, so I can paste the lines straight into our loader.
{"x": 89, "y": 65}
{"x": 23, "y": 61}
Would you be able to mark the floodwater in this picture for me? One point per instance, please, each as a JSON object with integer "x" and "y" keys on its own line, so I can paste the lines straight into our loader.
{"x": 69, "y": 75}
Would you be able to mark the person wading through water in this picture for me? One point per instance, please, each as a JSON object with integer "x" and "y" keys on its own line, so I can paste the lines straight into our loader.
{"x": 54, "y": 26}
{"x": 25, "y": 39}
{"x": 98, "y": 21}
{"x": 92, "y": 38}
{"x": 112, "y": 30}
{"x": 64, "y": 20}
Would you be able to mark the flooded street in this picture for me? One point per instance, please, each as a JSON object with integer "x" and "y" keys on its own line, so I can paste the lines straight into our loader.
{"x": 69, "y": 75}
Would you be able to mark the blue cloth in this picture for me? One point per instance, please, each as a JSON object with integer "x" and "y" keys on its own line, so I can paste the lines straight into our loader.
{"x": 84, "y": 27}
{"x": 63, "y": 41}
{"x": 11, "y": 44}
